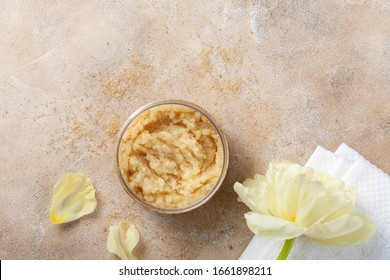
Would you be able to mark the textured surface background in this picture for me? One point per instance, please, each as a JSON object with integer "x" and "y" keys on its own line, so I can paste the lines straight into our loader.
{"x": 279, "y": 77}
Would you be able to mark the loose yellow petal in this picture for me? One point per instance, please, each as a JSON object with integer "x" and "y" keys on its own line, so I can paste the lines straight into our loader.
{"x": 73, "y": 197}
{"x": 122, "y": 239}
{"x": 272, "y": 227}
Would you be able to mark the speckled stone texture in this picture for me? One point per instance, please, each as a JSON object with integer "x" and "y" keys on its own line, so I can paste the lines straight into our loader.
{"x": 280, "y": 77}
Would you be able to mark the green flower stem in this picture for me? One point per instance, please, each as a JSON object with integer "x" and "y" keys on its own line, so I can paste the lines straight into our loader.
{"x": 286, "y": 249}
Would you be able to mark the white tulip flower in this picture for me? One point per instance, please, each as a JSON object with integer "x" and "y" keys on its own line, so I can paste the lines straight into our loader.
{"x": 291, "y": 200}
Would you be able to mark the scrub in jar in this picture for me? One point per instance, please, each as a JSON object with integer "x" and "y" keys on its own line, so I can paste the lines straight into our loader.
{"x": 170, "y": 156}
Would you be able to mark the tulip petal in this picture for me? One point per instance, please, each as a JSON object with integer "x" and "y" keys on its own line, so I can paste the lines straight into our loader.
{"x": 272, "y": 227}
{"x": 252, "y": 193}
{"x": 122, "y": 239}
{"x": 319, "y": 204}
{"x": 288, "y": 197}
{"x": 278, "y": 170}
{"x": 359, "y": 236}
{"x": 113, "y": 243}
{"x": 73, "y": 197}
{"x": 285, "y": 184}
{"x": 336, "y": 228}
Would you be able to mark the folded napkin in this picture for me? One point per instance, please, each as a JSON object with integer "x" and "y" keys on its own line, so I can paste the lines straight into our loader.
{"x": 373, "y": 187}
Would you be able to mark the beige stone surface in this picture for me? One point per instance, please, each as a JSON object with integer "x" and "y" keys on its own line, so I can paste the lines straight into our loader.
{"x": 280, "y": 77}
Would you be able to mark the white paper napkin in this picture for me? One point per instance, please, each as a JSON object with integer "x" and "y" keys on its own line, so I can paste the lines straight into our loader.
{"x": 373, "y": 186}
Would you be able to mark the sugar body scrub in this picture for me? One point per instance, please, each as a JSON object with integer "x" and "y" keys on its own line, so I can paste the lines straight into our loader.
{"x": 171, "y": 156}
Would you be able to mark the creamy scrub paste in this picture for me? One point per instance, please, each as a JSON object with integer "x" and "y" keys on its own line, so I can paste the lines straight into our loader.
{"x": 171, "y": 156}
